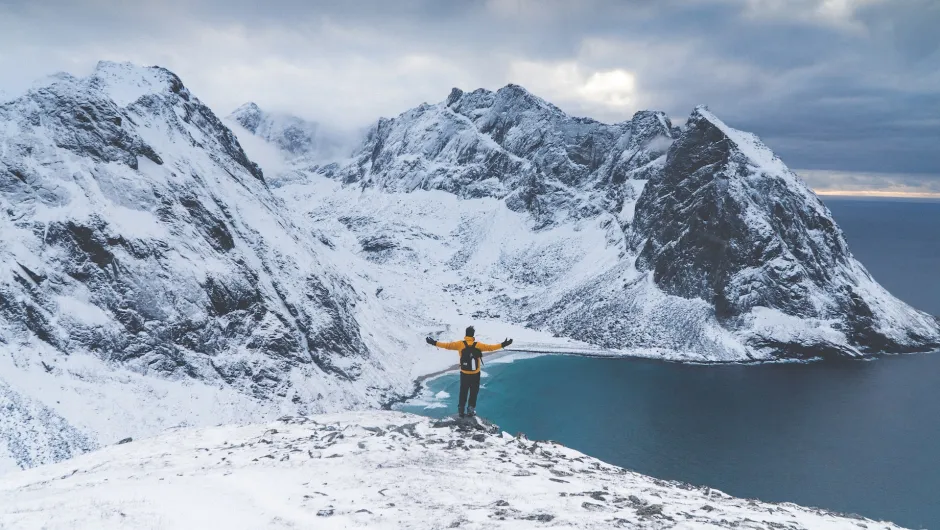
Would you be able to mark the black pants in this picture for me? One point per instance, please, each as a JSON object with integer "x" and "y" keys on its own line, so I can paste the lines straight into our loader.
{"x": 469, "y": 383}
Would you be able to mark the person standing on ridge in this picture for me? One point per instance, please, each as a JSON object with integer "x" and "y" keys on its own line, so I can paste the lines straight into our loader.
{"x": 471, "y": 361}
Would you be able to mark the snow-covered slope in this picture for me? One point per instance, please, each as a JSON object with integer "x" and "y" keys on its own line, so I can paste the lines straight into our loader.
{"x": 691, "y": 243}
{"x": 370, "y": 470}
{"x": 148, "y": 277}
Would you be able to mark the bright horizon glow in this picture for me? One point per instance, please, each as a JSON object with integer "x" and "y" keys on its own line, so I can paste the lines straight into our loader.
{"x": 862, "y": 184}
{"x": 879, "y": 193}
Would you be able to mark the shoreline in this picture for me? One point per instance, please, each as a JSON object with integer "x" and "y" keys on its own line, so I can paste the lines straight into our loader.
{"x": 421, "y": 379}
{"x": 419, "y": 382}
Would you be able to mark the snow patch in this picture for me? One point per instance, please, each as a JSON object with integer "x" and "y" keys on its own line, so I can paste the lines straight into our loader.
{"x": 126, "y": 82}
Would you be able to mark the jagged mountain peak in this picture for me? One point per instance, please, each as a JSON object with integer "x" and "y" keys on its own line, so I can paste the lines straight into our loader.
{"x": 511, "y": 143}
{"x": 654, "y": 118}
{"x": 247, "y": 108}
{"x": 747, "y": 145}
{"x": 248, "y": 116}
{"x": 125, "y": 82}
{"x": 747, "y": 235}
{"x": 104, "y": 114}
{"x": 510, "y": 98}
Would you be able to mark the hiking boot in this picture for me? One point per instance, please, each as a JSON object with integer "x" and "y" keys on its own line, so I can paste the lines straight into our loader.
{"x": 460, "y": 414}
{"x": 471, "y": 412}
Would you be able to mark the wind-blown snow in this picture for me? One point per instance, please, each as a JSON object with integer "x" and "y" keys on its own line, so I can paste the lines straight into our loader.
{"x": 370, "y": 470}
{"x": 299, "y": 141}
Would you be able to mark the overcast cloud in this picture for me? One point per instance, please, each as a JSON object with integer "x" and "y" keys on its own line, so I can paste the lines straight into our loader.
{"x": 843, "y": 87}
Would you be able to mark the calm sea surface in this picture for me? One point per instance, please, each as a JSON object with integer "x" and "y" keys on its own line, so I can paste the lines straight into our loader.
{"x": 850, "y": 436}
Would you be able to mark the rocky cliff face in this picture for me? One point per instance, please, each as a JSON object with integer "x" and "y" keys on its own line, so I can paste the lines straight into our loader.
{"x": 136, "y": 230}
{"x": 712, "y": 230}
{"x": 137, "y": 227}
{"x": 726, "y": 222}
{"x": 512, "y": 145}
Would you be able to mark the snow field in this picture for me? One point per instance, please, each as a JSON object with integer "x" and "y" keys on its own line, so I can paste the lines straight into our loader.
{"x": 369, "y": 470}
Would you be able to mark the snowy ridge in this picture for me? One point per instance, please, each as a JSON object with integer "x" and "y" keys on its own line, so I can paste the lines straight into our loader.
{"x": 695, "y": 244}
{"x": 509, "y": 144}
{"x": 149, "y": 278}
{"x": 371, "y": 470}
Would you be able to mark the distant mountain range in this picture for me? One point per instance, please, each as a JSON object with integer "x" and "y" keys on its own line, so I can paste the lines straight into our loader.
{"x": 722, "y": 253}
{"x": 155, "y": 275}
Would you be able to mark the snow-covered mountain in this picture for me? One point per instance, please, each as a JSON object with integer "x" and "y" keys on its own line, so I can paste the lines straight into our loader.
{"x": 150, "y": 278}
{"x": 515, "y": 146}
{"x": 153, "y": 275}
{"x": 691, "y": 242}
{"x": 371, "y": 470}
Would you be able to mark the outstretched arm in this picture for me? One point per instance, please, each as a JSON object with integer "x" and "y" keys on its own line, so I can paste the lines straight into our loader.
{"x": 457, "y": 345}
{"x": 494, "y": 347}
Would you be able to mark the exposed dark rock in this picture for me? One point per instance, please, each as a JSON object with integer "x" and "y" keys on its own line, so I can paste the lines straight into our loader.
{"x": 377, "y": 243}
{"x": 157, "y": 307}
{"x": 650, "y": 510}
{"x": 540, "y": 517}
{"x": 467, "y": 425}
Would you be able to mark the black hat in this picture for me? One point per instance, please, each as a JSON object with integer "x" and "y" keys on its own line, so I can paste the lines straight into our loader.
{"x": 470, "y": 331}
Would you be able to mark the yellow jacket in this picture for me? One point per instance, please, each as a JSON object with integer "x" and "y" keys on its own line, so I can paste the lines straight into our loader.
{"x": 458, "y": 345}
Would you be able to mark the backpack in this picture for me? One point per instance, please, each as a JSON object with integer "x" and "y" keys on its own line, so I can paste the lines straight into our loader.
{"x": 470, "y": 357}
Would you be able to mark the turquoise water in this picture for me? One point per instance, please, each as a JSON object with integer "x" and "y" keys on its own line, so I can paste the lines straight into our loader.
{"x": 856, "y": 436}
{"x": 852, "y": 436}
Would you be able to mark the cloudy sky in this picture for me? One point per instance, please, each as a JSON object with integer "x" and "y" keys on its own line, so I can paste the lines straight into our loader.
{"x": 846, "y": 91}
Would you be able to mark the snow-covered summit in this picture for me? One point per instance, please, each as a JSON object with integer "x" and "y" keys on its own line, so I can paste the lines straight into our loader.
{"x": 371, "y": 470}
{"x": 727, "y": 222}
{"x": 510, "y": 96}
{"x": 509, "y": 144}
{"x": 300, "y": 141}
{"x": 125, "y": 83}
